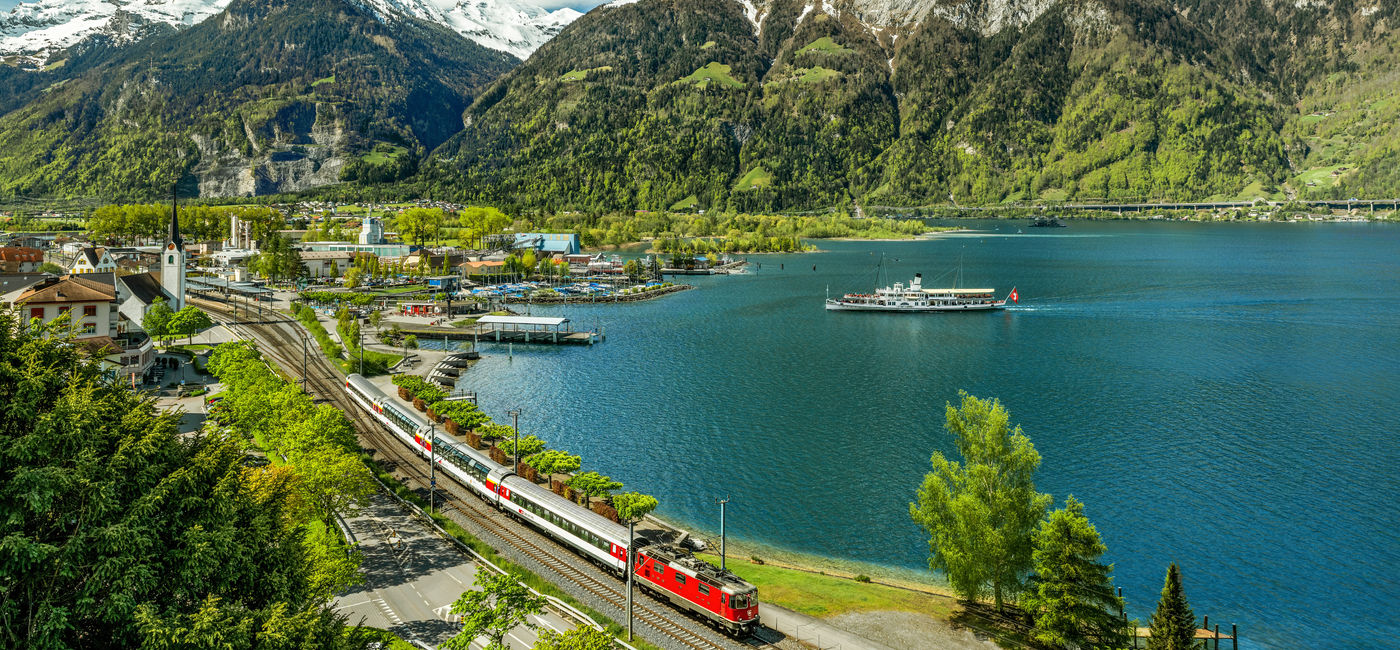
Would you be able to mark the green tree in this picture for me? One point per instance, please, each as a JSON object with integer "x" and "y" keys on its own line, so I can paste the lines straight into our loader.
{"x": 594, "y": 484}
{"x": 1173, "y": 624}
{"x": 1071, "y": 598}
{"x": 501, "y": 605}
{"x": 632, "y": 506}
{"x": 336, "y": 482}
{"x": 119, "y": 533}
{"x": 50, "y": 267}
{"x": 156, "y": 322}
{"x": 553, "y": 461}
{"x": 353, "y": 277}
{"x": 980, "y": 515}
{"x": 528, "y": 445}
{"x": 190, "y": 320}
{"x": 579, "y": 638}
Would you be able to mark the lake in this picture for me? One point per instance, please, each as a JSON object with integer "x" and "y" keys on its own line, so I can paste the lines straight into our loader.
{"x": 1220, "y": 395}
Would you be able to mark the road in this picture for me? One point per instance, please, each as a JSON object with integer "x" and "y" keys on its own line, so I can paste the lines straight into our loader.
{"x": 412, "y": 576}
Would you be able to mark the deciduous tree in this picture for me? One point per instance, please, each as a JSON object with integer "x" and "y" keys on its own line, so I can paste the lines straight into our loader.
{"x": 501, "y": 605}
{"x": 579, "y": 638}
{"x": 980, "y": 515}
{"x": 190, "y": 320}
{"x": 632, "y": 506}
{"x": 157, "y": 319}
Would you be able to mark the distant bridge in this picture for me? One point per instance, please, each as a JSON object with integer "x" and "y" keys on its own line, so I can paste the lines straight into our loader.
{"x": 1331, "y": 204}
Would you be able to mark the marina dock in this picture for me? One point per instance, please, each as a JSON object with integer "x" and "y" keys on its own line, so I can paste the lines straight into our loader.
{"x": 543, "y": 330}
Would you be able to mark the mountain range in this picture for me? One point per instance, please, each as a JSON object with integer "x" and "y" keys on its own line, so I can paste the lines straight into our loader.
{"x": 735, "y": 104}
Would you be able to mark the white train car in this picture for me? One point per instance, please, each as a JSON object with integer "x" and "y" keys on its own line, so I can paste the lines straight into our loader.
{"x": 688, "y": 582}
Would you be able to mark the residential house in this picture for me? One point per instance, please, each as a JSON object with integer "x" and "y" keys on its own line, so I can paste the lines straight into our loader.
{"x": 18, "y": 259}
{"x": 92, "y": 260}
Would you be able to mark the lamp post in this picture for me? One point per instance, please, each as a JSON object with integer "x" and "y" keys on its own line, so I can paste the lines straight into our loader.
{"x": 721, "y": 530}
{"x": 432, "y": 465}
{"x": 515, "y": 447}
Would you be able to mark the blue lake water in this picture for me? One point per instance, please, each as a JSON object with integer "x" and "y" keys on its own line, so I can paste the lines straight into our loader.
{"x": 1220, "y": 395}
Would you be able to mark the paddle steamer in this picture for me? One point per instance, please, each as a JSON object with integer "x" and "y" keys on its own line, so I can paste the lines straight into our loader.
{"x": 916, "y": 298}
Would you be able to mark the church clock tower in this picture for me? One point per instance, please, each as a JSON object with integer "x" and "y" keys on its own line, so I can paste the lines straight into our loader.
{"x": 172, "y": 261}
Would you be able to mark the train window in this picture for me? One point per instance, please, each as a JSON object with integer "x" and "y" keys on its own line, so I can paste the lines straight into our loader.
{"x": 680, "y": 578}
{"x": 704, "y": 588}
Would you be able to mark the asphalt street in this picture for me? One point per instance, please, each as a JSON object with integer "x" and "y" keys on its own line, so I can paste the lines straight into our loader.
{"x": 412, "y": 576}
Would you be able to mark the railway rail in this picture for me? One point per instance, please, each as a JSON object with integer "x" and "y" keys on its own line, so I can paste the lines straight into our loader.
{"x": 674, "y": 627}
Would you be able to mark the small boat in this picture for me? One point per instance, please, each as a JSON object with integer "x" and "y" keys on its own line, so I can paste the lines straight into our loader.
{"x": 1048, "y": 222}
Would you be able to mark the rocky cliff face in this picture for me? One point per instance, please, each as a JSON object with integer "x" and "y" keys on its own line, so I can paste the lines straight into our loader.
{"x": 302, "y": 147}
{"x": 269, "y": 96}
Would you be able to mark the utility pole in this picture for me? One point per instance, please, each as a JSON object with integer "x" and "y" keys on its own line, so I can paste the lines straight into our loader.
{"x": 360, "y": 343}
{"x": 515, "y": 448}
{"x": 432, "y": 464}
{"x": 303, "y": 361}
{"x": 630, "y": 524}
{"x": 721, "y": 530}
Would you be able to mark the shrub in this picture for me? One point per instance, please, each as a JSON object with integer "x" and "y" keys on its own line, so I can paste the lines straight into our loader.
{"x": 606, "y": 511}
{"x": 862, "y": 578}
{"x": 755, "y": 559}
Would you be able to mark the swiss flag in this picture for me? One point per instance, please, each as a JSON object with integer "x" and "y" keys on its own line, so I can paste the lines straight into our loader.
{"x": 1014, "y": 296}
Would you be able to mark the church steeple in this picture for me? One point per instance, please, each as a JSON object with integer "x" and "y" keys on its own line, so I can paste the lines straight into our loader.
{"x": 174, "y": 237}
{"x": 172, "y": 258}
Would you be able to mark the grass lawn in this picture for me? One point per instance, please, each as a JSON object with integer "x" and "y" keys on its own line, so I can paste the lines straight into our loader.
{"x": 1322, "y": 176}
{"x": 820, "y": 595}
{"x": 816, "y": 74}
{"x": 825, "y": 45}
{"x": 327, "y": 80}
{"x": 755, "y": 178}
{"x": 707, "y": 45}
{"x": 378, "y": 157}
{"x": 405, "y": 289}
{"x": 1054, "y": 194}
{"x": 687, "y": 203}
{"x": 717, "y": 73}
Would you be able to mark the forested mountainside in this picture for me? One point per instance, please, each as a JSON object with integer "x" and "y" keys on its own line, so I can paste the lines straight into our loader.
{"x": 752, "y": 105}
{"x": 267, "y": 96}
{"x": 788, "y": 105}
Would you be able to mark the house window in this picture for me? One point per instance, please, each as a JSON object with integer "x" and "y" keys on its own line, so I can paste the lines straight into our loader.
{"x": 36, "y": 312}
{"x": 90, "y": 310}
{"x": 169, "y": 259}
{"x": 89, "y": 328}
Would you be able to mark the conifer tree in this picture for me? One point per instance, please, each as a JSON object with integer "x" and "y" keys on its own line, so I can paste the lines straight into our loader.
{"x": 1071, "y": 597}
{"x": 1173, "y": 624}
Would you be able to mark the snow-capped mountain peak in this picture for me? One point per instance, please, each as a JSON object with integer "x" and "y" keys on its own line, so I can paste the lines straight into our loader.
{"x": 518, "y": 27}
{"x": 34, "y": 29}
{"x": 37, "y": 28}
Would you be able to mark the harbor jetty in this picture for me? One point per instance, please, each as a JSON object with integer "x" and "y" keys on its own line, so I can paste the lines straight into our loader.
{"x": 544, "y": 330}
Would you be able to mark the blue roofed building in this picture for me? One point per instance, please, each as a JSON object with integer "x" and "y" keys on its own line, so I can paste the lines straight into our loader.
{"x": 549, "y": 243}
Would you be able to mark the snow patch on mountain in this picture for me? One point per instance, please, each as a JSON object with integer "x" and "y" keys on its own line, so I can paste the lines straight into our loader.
{"x": 35, "y": 29}
{"x": 38, "y": 28}
{"x": 517, "y": 27}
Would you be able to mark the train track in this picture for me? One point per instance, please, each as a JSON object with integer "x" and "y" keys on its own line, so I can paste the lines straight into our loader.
{"x": 667, "y": 622}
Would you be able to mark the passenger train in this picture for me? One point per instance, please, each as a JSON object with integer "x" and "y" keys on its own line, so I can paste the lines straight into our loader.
{"x": 666, "y": 570}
